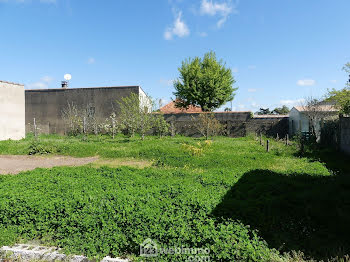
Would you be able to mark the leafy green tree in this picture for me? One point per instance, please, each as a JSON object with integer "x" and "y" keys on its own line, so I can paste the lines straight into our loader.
{"x": 136, "y": 114}
{"x": 145, "y": 120}
{"x": 204, "y": 82}
{"x": 160, "y": 125}
{"x": 264, "y": 111}
{"x": 284, "y": 110}
{"x": 341, "y": 97}
{"x": 129, "y": 113}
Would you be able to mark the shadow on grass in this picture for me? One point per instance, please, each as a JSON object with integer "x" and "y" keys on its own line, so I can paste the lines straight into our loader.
{"x": 293, "y": 212}
{"x": 334, "y": 160}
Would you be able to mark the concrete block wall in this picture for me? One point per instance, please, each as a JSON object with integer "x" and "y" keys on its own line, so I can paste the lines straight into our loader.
{"x": 270, "y": 126}
{"x": 12, "y": 111}
{"x": 46, "y": 105}
{"x": 345, "y": 134}
{"x": 237, "y": 124}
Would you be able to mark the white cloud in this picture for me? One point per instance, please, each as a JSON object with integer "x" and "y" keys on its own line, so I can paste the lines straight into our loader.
{"x": 306, "y": 82}
{"x": 42, "y": 83}
{"x": 37, "y": 85}
{"x": 235, "y": 70}
{"x": 212, "y": 8}
{"x": 179, "y": 29}
{"x": 252, "y": 90}
{"x": 252, "y": 67}
{"x": 202, "y": 34}
{"x": 254, "y": 104}
{"x": 166, "y": 82}
{"x": 91, "y": 61}
{"x": 334, "y": 81}
{"x": 46, "y": 79}
{"x": 291, "y": 103}
{"x": 241, "y": 106}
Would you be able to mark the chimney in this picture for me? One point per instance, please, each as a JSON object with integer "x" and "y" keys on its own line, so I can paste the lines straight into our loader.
{"x": 64, "y": 84}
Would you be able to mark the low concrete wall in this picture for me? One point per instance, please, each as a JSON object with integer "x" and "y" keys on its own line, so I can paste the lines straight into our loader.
{"x": 237, "y": 124}
{"x": 345, "y": 134}
{"x": 46, "y": 106}
{"x": 269, "y": 125}
{"x": 12, "y": 111}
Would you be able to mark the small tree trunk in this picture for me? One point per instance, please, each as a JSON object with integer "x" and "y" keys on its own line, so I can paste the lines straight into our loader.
{"x": 207, "y": 133}
{"x": 172, "y": 129}
{"x": 113, "y": 128}
{"x": 35, "y": 134}
{"x": 84, "y": 125}
{"x": 287, "y": 140}
{"x": 302, "y": 146}
{"x": 268, "y": 146}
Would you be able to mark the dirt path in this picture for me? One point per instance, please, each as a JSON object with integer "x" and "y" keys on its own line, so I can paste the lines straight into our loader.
{"x": 16, "y": 164}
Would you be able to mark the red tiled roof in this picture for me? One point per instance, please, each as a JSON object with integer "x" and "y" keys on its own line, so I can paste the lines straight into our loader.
{"x": 172, "y": 109}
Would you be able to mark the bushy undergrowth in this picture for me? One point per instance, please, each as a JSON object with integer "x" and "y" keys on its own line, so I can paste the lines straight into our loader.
{"x": 216, "y": 199}
{"x": 111, "y": 211}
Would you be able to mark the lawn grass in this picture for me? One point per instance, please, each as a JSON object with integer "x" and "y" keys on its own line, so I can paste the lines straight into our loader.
{"x": 230, "y": 196}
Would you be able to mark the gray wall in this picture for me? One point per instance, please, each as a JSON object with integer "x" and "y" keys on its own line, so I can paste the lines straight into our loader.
{"x": 270, "y": 126}
{"x": 237, "y": 124}
{"x": 46, "y": 106}
{"x": 345, "y": 134}
{"x": 12, "y": 111}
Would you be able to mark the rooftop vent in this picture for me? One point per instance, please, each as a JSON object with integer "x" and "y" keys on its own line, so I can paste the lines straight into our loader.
{"x": 64, "y": 84}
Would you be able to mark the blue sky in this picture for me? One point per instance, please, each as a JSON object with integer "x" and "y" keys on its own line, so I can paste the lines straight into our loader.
{"x": 279, "y": 50}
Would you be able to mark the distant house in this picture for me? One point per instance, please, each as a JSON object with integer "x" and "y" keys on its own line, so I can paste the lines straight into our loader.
{"x": 172, "y": 109}
{"x": 299, "y": 120}
{"x": 12, "y": 111}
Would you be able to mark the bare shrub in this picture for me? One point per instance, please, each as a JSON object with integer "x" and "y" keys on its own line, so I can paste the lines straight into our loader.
{"x": 72, "y": 119}
{"x": 315, "y": 111}
{"x": 207, "y": 125}
{"x": 111, "y": 125}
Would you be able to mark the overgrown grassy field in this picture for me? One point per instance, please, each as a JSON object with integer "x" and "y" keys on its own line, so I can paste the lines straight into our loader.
{"x": 228, "y": 195}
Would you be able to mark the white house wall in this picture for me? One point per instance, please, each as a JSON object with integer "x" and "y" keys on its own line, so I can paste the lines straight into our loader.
{"x": 145, "y": 101}
{"x": 298, "y": 122}
{"x": 12, "y": 111}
